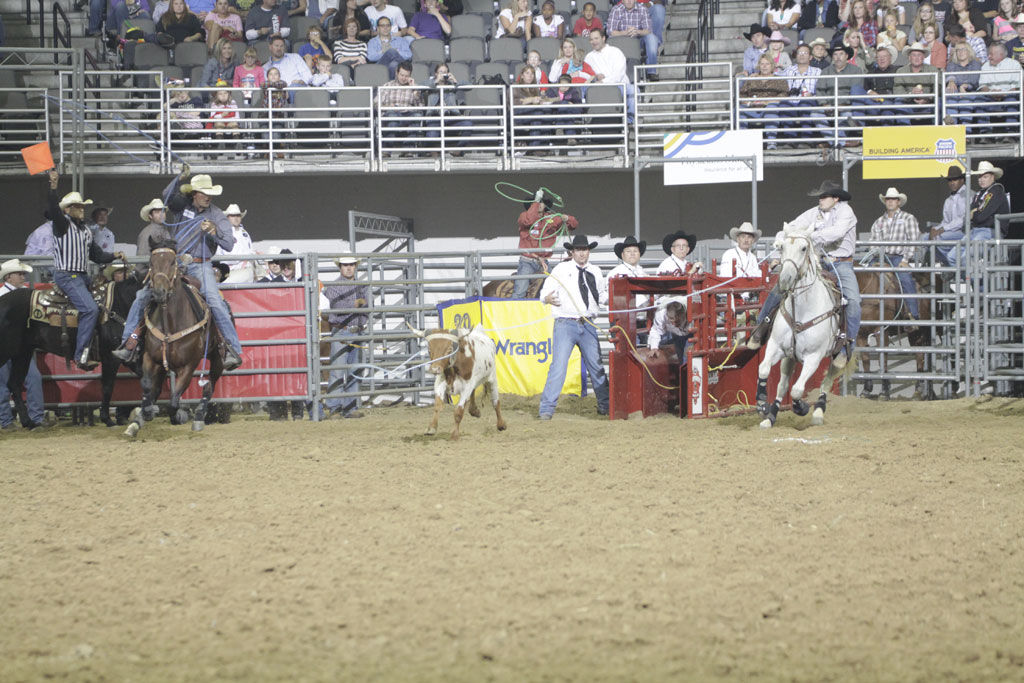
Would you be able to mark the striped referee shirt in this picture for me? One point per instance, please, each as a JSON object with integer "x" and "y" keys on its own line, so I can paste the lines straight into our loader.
{"x": 73, "y": 246}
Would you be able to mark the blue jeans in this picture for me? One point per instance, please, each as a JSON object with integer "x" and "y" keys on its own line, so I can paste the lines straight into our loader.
{"x": 33, "y": 394}
{"x": 657, "y": 20}
{"x": 907, "y": 284}
{"x": 97, "y": 8}
{"x": 527, "y": 266}
{"x": 977, "y": 234}
{"x": 850, "y": 289}
{"x": 134, "y": 319}
{"x": 945, "y": 254}
{"x": 343, "y": 350}
{"x": 752, "y": 117}
{"x": 679, "y": 342}
{"x": 391, "y": 59}
{"x": 76, "y": 286}
{"x": 567, "y": 334}
{"x": 218, "y": 307}
{"x": 651, "y": 45}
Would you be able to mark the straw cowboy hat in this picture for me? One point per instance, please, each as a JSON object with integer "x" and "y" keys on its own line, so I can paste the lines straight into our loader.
{"x": 579, "y": 242}
{"x": 346, "y": 260}
{"x": 72, "y": 198}
{"x": 954, "y": 173}
{"x": 666, "y": 242}
{"x": 630, "y": 242}
{"x": 234, "y": 210}
{"x": 202, "y": 183}
{"x": 918, "y": 47}
{"x": 893, "y": 193}
{"x": 745, "y": 228}
{"x": 109, "y": 271}
{"x": 816, "y": 42}
{"x": 153, "y": 204}
{"x": 987, "y": 167}
{"x": 14, "y": 266}
{"x": 830, "y": 188}
{"x": 777, "y": 37}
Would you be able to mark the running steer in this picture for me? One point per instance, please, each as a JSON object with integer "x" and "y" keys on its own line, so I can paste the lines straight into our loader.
{"x": 461, "y": 361}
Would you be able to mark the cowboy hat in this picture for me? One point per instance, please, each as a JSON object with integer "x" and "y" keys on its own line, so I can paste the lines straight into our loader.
{"x": 109, "y": 271}
{"x": 346, "y": 260}
{"x": 777, "y": 37}
{"x": 757, "y": 28}
{"x": 14, "y": 266}
{"x": 1019, "y": 19}
{"x": 202, "y": 183}
{"x": 224, "y": 269}
{"x": 234, "y": 210}
{"x": 954, "y": 173}
{"x": 72, "y": 198}
{"x": 830, "y": 189}
{"x": 630, "y": 241}
{"x": 284, "y": 252}
{"x": 893, "y": 193}
{"x": 987, "y": 167}
{"x": 579, "y": 242}
{"x": 918, "y": 47}
{"x": 153, "y": 205}
{"x": 845, "y": 48}
{"x": 817, "y": 41}
{"x": 745, "y": 228}
{"x": 666, "y": 242}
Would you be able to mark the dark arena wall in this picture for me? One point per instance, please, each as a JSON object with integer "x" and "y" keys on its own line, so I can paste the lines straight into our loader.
{"x": 296, "y": 206}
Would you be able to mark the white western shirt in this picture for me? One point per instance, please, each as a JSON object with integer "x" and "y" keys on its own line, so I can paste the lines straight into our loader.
{"x": 563, "y": 281}
{"x": 660, "y": 328}
{"x": 835, "y": 230}
{"x": 243, "y": 245}
{"x": 736, "y": 262}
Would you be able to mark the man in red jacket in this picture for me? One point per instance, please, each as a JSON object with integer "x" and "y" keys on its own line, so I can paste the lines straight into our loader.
{"x": 538, "y": 228}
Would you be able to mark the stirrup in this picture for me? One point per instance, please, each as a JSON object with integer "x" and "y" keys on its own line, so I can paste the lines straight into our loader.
{"x": 232, "y": 360}
{"x": 756, "y": 339}
{"x": 126, "y": 355}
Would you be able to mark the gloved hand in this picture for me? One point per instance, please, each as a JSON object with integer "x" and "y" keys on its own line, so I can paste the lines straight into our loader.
{"x": 186, "y": 259}
{"x": 186, "y": 171}
{"x": 539, "y": 197}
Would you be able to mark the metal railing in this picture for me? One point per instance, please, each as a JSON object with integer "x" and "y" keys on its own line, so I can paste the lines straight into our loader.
{"x": 24, "y": 120}
{"x": 988, "y": 115}
{"x": 687, "y": 103}
{"x": 551, "y": 127}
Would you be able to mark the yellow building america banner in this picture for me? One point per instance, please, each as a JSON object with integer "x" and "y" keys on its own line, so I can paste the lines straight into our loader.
{"x": 942, "y": 142}
{"x": 523, "y": 339}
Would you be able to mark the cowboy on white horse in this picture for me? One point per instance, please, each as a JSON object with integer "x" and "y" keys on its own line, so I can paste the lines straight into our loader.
{"x": 835, "y": 237}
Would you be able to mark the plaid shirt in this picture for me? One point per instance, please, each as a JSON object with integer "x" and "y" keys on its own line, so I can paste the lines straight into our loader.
{"x": 392, "y": 94}
{"x": 802, "y": 82}
{"x": 622, "y": 19}
{"x": 902, "y": 227}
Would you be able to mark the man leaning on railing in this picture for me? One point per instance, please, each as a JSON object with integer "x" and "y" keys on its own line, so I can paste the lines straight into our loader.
{"x": 915, "y": 82}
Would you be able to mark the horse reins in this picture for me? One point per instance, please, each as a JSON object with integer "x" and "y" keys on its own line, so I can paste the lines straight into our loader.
{"x": 167, "y": 339}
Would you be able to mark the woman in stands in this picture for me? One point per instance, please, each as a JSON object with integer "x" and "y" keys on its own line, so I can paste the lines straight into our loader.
{"x": 860, "y": 19}
{"x": 925, "y": 17}
{"x": 894, "y": 5}
{"x": 754, "y": 109}
{"x": 862, "y": 56}
{"x": 936, "y": 55}
{"x": 891, "y": 35}
{"x": 782, "y": 14}
{"x": 429, "y": 22}
{"x": 529, "y": 118}
{"x": 570, "y": 61}
{"x": 181, "y": 24}
{"x": 971, "y": 18}
{"x": 350, "y": 49}
{"x": 776, "y": 51}
{"x": 350, "y": 9}
{"x": 515, "y": 21}
{"x": 222, "y": 23}
{"x": 221, "y": 66}
{"x": 1002, "y": 22}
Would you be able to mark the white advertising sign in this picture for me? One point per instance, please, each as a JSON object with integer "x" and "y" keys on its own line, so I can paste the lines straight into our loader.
{"x": 683, "y": 153}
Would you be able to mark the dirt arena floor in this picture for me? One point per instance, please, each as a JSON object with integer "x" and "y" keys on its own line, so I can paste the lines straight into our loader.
{"x": 884, "y": 546}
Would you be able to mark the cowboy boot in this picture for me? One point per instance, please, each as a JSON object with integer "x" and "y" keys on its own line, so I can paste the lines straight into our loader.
{"x": 128, "y": 351}
{"x": 759, "y": 334}
{"x": 232, "y": 360}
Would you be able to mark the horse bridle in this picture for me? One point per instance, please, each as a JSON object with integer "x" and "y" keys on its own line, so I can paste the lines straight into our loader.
{"x": 809, "y": 254}
{"x": 174, "y": 275}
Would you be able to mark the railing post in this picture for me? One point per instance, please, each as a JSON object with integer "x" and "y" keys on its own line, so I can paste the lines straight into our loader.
{"x": 311, "y": 266}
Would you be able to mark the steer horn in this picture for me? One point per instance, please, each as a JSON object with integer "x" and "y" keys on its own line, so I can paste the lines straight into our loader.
{"x": 418, "y": 333}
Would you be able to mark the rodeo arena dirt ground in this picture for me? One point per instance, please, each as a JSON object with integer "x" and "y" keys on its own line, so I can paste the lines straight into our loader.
{"x": 885, "y": 545}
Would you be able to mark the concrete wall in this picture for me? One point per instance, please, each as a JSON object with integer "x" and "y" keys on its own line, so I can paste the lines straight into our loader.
{"x": 456, "y": 205}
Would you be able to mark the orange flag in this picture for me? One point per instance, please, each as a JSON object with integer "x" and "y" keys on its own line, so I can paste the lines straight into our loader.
{"x": 37, "y": 158}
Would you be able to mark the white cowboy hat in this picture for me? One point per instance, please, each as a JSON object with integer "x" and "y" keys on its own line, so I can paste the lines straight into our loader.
{"x": 346, "y": 260}
{"x": 72, "y": 198}
{"x": 745, "y": 228}
{"x": 987, "y": 167}
{"x": 234, "y": 210}
{"x": 1019, "y": 19}
{"x": 153, "y": 204}
{"x": 893, "y": 193}
{"x": 202, "y": 183}
{"x": 918, "y": 47}
{"x": 14, "y": 266}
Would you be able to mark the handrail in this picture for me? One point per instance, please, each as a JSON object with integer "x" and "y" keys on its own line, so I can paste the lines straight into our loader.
{"x": 60, "y": 38}
{"x": 42, "y": 23}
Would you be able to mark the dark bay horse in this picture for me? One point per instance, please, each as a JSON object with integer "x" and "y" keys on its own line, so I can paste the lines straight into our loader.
{"x": 21, "y": 338}
{"x": 180, "y": 332}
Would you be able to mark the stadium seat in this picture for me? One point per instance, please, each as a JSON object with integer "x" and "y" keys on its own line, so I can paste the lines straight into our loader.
{"x": 371, "y": 74}
{"x": 602, "y": 7}
{"x": 484, "y": 8}
{"x": 506, "y": 50}
{"x": 343, "y": 70}
{"x": 468, "y": 26}
{"x": 421, "y": 72}
{"x": 189, "y": 54}
{"x": 148, "y": 55}
{"x": 547, "y": 47}
{"x": 492, "y": 69}
{"x": 408, "y": 7}
{"x": 468, "y": 50}
{"x": 629, "y": 46}
{"x": 430, "y": 50}
{"x": 145, "y": 25}
{"x": 195, "y": 75}
{"x": 239, "y": 50}
{"x": 605, "y": 107}
{"x": 793, "y": 35}
{"x": 262, "y": 51}
{"x": 565, "y": 7}
{"x": 462, "y": 72}
{"x": 300, "y": 27}
{"x": 910, "y": 11}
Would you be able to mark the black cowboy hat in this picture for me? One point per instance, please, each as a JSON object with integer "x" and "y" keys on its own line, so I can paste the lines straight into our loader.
{"x": 224, "y": 269}
{"x": 839, "y": 46}
{"x": 579, "y": 242}
{"x": 830, "y": 189}
{"x": 757, "y": 28}
{"x": 666, "y": 243}
{"x": 954, "y": 173}
{"x": 282, "y": 261}
{"x": 630, "y": 242}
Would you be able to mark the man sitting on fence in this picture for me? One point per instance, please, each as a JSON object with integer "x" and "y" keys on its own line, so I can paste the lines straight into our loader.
{"x": 954, "y": 209}
{"x": 896, "y": 225}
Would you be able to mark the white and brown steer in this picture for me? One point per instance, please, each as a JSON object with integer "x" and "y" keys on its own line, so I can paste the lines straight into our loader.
{"x": 461, "y": 361}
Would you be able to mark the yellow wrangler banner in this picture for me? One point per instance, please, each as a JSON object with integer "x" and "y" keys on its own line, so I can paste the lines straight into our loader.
{"x": 943, "y": 142}
{"x": 523, "y": 341}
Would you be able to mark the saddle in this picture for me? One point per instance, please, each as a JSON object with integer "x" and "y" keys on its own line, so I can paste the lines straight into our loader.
{"x": 53, "y": 307}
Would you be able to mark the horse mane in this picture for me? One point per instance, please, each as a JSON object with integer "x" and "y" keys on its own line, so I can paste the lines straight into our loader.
{"x": 790, "y": 230}
{"x": 163, "y": 244}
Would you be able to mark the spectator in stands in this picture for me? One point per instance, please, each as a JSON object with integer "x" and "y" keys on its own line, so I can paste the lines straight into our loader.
{"x": 588, "y": 21}
{"x": 891, "y": 33}
{"x": 349, "y": 49}
{"x": 101, "y": 232}
{"x": 819, "y": 52}
{"x": 315, "y": 47}
{"x": 239, "y": 271}
{"x": 402, "y": 98}
{"x": 881, "y": 83}
{"x": 529, "y": 114}
{"x": 937, "y": 49}
{"x": 323, "y": 77}
{"x": 291, "y": 67}
{"x": 575, "y": 290}
{"x": 223, "y": 113}
{"x": 670, "y": 327}
{"x": 249, "y": 75}
{"x": 120, "y": 12}
{"x": 740, "y": 261}
{"x": 959, "y": 78}
{"x": 380, "y": 9}
{"x": 184, "y": 115}
{"x": 201, "y": 8}
{"x": 223, "y": 23}
{"x": 942, "y": 9}
{"x": 915, "y": 82}
{"x": 388, "y": 49}
{"x": 296, "y": 8}
{"x": 630, "y": 19}
{"x": 547, "y": 24}
{"x": 567, "y": 94}
{"x": 153, "y": 214}
{"x": 221, "y": 66}
{"x": 275, "y": 94}
{"x": 758, "y": 37}
{"x": 160, "y": 7}
{"x": 860, "y": 19}
{"x": 266, "y": 21}
{"x": 756, "y": 112}
{"x": 862, "y": 55}
{"x": 345, "y": 293}
{"x": 40, "y": 243}
{"x": 850, "y": 88}
{"x": 1002, "y": 22}
{"x": 678, "y": 245}
{"x": 322, "y": 11}
{"x": 609, "y": 66}
{"x": 802, "y": 79}
{"x": 954, "y": 211}
{"x": 429, "y": 22}
{"x": 956, "y": 34}
{"x": 782, "y": 15}
{"x": 534, "y": 61}
{"x": 971, "y": 18}
{"x": 179, "y": 23}
{"x": 925, "y": 17}
{"x": 538, "y": 228}
{"x": 777, "y": 52}
{"x": 445, "y": 84}
{"x": 818, "y": 14}
{"x": 886, "y": 6}
{"x": 896, "y": 225}
{"x": 13, "y": 276}
{"x": 350, "y": 9}
{"x": 515, "y": 21}
{"x": 1000, "y": 81}
{"x": 570, "y": 63}
{"x": 1016, "y": 46}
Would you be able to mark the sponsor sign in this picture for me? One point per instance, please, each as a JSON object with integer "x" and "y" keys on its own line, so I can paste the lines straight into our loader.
{"x": 942, "y": 142}
{"x": 683, "y": 153}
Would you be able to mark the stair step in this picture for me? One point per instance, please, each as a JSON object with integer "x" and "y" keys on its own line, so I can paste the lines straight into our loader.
{"x": 744, "y": 19}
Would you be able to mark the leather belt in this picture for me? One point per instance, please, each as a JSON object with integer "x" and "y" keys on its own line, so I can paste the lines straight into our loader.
{"x": 196, "y": 259}
{"x": 842, "y": 258}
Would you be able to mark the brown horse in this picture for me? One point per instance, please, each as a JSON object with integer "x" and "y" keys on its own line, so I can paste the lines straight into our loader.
{"x": 180, "y": 332}
{"x": 503, "y": 289}
{"x": 874, "y": 308}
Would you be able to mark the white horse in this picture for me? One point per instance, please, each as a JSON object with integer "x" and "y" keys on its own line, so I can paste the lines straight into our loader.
{"x": 805, "y": 327}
